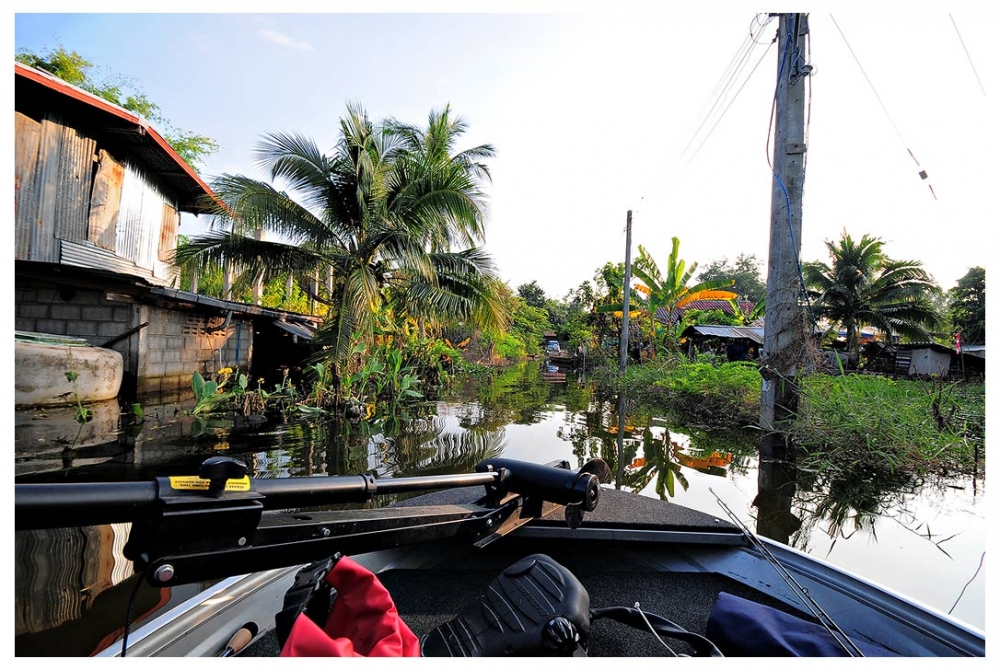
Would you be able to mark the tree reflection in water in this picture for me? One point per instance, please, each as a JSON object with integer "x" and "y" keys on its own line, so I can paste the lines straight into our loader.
{"x": 571, "y": 420}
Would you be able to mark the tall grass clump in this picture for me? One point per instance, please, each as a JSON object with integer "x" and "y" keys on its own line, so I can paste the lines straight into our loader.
{"x": 886, "y": 427}
{"x": 700, "y": 392}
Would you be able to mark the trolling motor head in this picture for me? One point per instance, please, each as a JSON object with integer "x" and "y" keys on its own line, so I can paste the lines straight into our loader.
{"x": 536, "y": 607}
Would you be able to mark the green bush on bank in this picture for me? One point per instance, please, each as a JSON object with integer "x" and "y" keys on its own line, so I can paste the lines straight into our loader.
{"x": 886, "y": 425}
{"x": 703, "y": 392}
{"x": 890, "y": 425}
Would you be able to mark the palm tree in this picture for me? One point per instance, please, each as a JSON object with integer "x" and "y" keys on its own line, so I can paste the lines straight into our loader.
{"x": 864, "y": 287}
{"x": 371, "y": 225}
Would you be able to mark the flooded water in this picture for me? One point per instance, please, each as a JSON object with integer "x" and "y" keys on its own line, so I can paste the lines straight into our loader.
{"x": 73, "y": 586}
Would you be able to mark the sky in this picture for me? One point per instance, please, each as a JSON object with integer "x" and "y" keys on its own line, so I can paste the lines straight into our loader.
{"x": 663, "y": 110}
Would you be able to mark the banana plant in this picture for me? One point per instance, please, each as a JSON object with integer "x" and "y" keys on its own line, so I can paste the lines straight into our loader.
{"x": 669, "y": 292}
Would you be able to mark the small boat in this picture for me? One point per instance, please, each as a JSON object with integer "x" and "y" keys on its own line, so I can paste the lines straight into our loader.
{"x": 561, "y": 358}
{"x": 536, "y": 549}
{"x": 52, "y": 370}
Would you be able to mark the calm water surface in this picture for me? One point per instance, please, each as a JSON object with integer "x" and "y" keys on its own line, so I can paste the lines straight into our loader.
{"x": 927, "y": 541}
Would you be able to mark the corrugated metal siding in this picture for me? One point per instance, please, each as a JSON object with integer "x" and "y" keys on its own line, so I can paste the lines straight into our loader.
{"x": 89, "y": 255}
{"x": 54, "y": 177}
{"x": 139, "y": 223}
{"x": 53, "y": 182}
{"x": 27, "y": 135}
{"x": 105, "y": 201}
{"x": 75, "y": 180}
{"x": 43, "y": 244}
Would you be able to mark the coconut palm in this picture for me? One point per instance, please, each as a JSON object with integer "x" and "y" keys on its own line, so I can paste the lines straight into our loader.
{"x": 374, "y": 222}
{"x": 863, "y": 287}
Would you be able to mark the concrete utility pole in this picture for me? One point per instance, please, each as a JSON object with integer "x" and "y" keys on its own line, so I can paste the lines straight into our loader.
{"x": 785, "y": 334}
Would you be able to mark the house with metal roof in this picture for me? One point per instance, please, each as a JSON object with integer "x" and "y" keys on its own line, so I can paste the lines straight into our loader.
{"x": 98, "y": 197}
{"x": 726, "y": 307}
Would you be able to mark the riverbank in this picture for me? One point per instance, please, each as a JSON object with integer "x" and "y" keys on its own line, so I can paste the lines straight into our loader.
{"x": 890, "y": 427}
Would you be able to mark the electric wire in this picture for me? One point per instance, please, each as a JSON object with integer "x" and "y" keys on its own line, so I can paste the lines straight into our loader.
{"x": 731, "y": 101}
{"x": 741, "y": 59}
{"x": 967, "y": 55}
{"x": 653, "y": 630}
{"x": 738, "y": 57}
{"x": 814, "y": 608}
{"x": 128, "y": 614}
{"x": 921, "y": 172}
{"x": 774, "y": 100}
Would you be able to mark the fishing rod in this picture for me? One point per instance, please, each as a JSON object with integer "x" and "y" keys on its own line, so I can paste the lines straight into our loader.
{"x": 803, "y": 593}
{"x": 222, "y": 523}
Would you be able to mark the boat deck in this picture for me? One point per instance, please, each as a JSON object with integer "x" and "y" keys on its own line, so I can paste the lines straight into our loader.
{"x": 430, "y": 585}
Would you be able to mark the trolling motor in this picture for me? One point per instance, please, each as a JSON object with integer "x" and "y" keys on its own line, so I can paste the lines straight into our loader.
{"x": 537, "y": 607}
{"x": 221, "y": 523}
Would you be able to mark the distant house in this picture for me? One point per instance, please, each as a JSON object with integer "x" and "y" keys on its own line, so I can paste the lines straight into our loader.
{"x": 98, "y": 194}
{"x": 972, "y": 360}
{"x": 735, "y": 342}
{"x": 726, "y": 307}
{"x": 923, "y": 359}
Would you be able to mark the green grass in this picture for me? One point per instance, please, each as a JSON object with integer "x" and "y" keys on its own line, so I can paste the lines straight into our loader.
{"x": 855, "y": 423}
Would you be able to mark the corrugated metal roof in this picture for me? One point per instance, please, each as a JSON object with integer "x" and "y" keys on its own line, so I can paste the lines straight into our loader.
{"x": 297, "y": 324}
{"x": 731, "y": 332}
{"x": 37, "y": 92}
{"x": 724, "y": 305}
{"x": 298, "y": 329}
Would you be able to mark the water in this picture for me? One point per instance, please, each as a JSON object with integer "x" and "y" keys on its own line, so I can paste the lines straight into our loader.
{"x": 73, "y": 586}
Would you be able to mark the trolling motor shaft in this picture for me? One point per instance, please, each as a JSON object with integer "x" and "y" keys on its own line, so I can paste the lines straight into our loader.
{"x": 223, "y": 523}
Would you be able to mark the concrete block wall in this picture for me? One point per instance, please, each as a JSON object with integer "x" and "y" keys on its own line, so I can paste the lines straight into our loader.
{"x": 84, "y": 313}
{"x": 176, "y": 344}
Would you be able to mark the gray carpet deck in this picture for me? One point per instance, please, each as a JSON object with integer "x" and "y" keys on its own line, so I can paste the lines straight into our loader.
{"x": 427, "y": 598}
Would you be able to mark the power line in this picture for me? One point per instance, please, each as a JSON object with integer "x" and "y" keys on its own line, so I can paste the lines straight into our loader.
{"x": 922, "y": 173}
{"x": 734, "y": 64}
{"x": 971, "y": 64}
{"x": 731, "y": 101}
{"x": 744, "y": 59}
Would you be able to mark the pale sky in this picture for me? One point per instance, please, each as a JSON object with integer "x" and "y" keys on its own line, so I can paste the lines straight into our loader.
{"x": 594, "y": 112}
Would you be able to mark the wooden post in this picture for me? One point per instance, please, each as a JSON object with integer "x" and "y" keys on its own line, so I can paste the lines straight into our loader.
{"x": 623, "y": 342}
{"x": 784, "y": 326}
{"x": 258, "y": 285}
{"x": 623, "y": 348}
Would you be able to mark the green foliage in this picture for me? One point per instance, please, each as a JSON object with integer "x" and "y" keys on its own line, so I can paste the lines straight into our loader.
{"x": 507, "y": 346}
{"x": 864, "y": 287}
{"x": 533, "y": 294}
{"x": 528, "y": 325}
{"x": 967, "y": 306}
{"x": 723, "y": 395}
{"x": 386, "y": 209}
{"x": 667, "y": 293}
{"x": 744, "y": 272}
{"x": 208, "y": 394}
{"x": 850, "y": 424}
{"x": 887, "y": 425}
{"x": 73, "y": 68}
{"x": 83, "y": 414}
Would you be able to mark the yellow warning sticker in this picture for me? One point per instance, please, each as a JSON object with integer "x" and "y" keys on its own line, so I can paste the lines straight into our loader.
{"x": 201, "y": 484}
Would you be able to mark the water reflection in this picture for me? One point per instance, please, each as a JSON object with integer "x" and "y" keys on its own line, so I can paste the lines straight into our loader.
{"x": 69, "y": 583}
